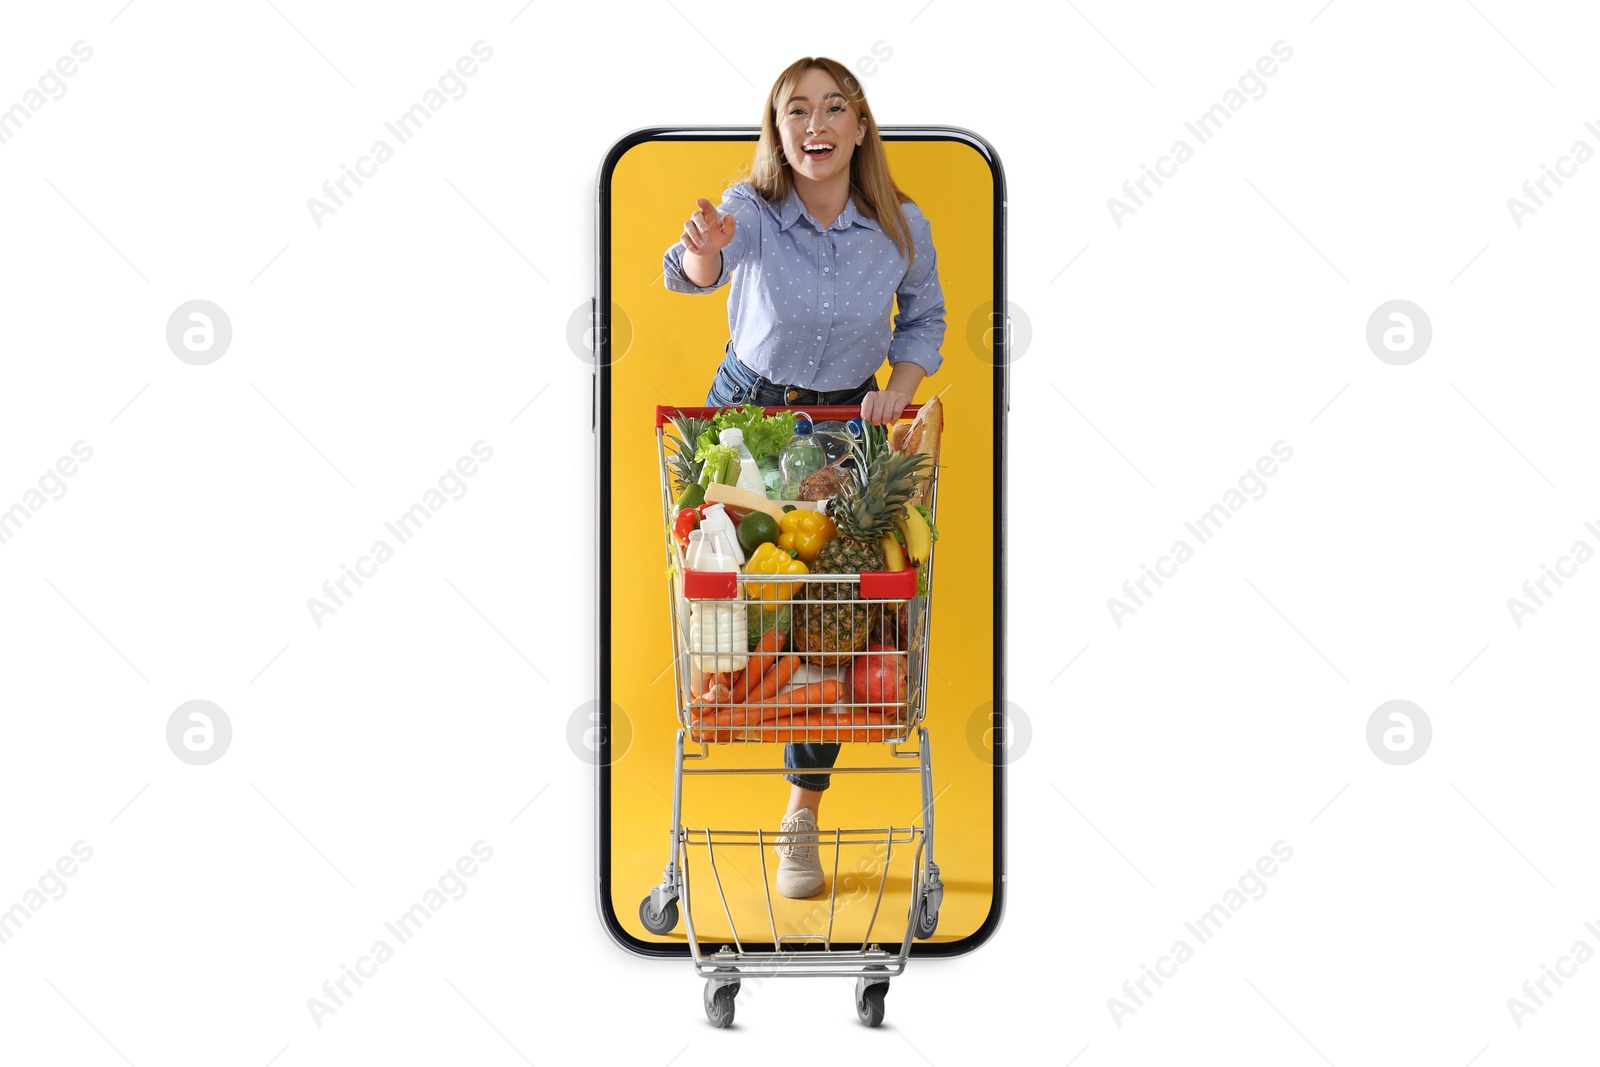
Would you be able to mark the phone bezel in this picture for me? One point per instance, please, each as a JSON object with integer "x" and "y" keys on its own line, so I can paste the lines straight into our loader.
{"x": 601, "y": 397}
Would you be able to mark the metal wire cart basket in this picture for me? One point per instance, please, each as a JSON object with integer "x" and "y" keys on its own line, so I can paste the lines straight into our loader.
{"x": 729, "y": 723}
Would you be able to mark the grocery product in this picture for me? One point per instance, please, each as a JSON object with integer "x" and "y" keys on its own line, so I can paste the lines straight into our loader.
{"x": 682, "y": 448}
{"x": 764, "y": 435}
{"x": 720, "y": 464}
{"x": 716, "y": 523}
{"x": 755, "y": 529}
{"x": 718, "y": 641}
{"x": 762, "y": 656}
{"x": 923, "y": 439}
{"x": 804, "y": 533}
{"x": 829, "y": 481}
{"x": 693, "y": 495}
{"x": 879, "y": 678}
{"x": 685, "y": 523}
{"x": 749, "y": 474}
{"x": 770, "y": 559}
{"x": 894, "y": 553}
{"x": 914, "y": 526}
{"x": 735, "y": 497}
{"x": 835, "y": 437}
{"x": 800, "y": 459}
{"x": 830, "y": 623}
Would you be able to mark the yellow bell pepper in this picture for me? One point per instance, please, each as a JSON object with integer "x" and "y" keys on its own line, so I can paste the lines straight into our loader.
{"x": 805, "y": 532}
{"x": 770, "y": 559}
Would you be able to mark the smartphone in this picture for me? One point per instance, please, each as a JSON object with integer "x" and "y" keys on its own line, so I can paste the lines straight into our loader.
{"x": 659, "y": 349}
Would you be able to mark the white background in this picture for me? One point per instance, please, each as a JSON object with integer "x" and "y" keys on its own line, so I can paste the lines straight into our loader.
{"x": 368, "y": 354}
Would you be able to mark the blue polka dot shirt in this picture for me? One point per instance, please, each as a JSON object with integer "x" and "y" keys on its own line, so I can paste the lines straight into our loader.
{"x": 813, "y": 306}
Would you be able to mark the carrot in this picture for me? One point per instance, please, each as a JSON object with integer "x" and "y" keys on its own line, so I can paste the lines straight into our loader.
{"x": 826, "y": 692}
{"x": 716, "y": 725}
{"x": 775, "y": 678}
{"x": 763, "y": 657}
{"x": 816, "y": 724}
{"x": 751, "y": 715}
{"x": 804, "y": 714}
{"x": 764, "y": 709}
{"x": 767, "y": 650}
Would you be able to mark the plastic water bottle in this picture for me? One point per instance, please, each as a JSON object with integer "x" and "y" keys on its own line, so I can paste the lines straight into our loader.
{"x": 749, "y": 473}
{"x": 800, "y": 459}
{"x": 719, "y": 639}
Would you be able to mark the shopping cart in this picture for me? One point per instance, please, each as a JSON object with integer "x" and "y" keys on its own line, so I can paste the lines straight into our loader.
{"x": 849, "y": 612}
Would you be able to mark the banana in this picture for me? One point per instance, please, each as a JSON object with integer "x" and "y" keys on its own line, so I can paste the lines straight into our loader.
{"x": 894, "y": 556}
{"x": 919, "y": 539}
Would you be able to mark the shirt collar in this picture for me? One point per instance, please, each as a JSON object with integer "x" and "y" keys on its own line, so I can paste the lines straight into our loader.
{"x": 792, "y": 211}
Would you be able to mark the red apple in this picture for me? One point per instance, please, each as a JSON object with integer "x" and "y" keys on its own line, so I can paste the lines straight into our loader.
{"x": 880, "y": 677}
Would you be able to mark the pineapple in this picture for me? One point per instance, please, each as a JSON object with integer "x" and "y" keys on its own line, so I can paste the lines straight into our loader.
{"x": 831, "y": 624}
{"x": 681, "y": 450}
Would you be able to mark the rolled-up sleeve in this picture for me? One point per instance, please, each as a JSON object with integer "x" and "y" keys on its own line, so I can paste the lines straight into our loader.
{"x": 919, "y": 321}
{"x": 746, "y": 232}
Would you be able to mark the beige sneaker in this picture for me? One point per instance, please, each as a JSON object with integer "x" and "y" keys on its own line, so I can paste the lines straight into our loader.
{"x": 799, "y": 866}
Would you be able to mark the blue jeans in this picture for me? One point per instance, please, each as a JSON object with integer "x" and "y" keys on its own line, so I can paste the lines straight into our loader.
{"x": 734, "y": 385}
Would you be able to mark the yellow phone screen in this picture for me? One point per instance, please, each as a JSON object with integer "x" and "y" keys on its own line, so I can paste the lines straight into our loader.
{"x": 664, "y": 349}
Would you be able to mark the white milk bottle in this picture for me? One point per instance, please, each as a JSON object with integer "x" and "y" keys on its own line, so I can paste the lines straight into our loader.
{"x": 719, "y": 527}
{"x": 749, "y": 473}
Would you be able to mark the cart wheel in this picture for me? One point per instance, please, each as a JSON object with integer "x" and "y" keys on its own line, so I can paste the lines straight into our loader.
{"x": 658, "y": 922}
{"x": 869, "y": 1002}
{"x": 719, "y": 1002}
{"x": 927, "y": 920}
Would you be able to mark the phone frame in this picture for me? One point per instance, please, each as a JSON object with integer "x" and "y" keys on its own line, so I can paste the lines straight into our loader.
{"x": 600, "y": 424}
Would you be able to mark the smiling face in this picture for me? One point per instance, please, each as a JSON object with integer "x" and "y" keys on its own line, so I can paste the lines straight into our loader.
{"x": 818, "y": 116}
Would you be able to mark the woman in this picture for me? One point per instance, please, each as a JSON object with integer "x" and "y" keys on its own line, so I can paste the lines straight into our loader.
{"x": 819, "y": 243}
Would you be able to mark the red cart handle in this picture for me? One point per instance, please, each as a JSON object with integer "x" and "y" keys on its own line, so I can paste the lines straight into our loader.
{"x": 875, "y": 585}
{"x": 841, "y": 412}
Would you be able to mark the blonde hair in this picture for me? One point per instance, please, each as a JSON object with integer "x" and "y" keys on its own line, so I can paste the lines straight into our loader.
{"x": 871, "y": 187}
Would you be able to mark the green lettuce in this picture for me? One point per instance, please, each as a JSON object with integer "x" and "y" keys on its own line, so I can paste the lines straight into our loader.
{"x": 764, "y": 435}
{"x": 759, "y": 620}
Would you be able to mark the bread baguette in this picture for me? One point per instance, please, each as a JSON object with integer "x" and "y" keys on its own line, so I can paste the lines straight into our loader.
{"x": 897, "y": 436}
{"x": 923, "y": 438}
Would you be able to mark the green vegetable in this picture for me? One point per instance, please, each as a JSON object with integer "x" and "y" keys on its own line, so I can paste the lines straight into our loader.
{"x": 694, "y": 494}
{"x": 760, "y": 620}
{"x": 721, "y": 465}
{"x": 764, "y": 435}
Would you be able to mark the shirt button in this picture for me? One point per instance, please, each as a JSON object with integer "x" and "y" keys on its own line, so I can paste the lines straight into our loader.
{"x": 824, "y": 270}
{"x": 824, "y": 303}
{"x": 819, "y": 337}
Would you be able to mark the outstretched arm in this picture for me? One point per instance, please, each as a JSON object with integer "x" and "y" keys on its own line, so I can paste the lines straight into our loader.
{"x": 712, "y": 242}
